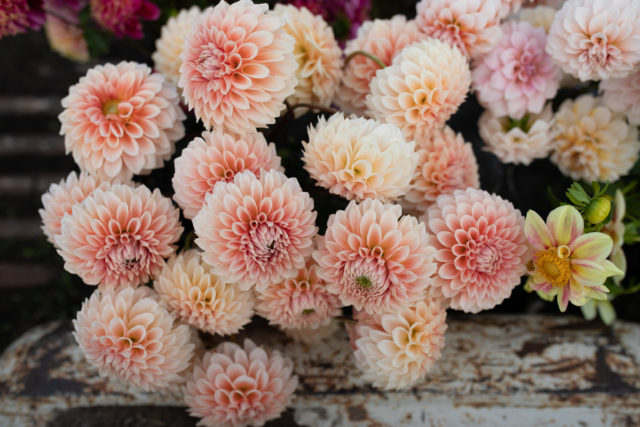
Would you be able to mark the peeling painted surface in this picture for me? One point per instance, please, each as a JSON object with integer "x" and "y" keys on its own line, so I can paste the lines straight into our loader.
{"x": 495, "y": 370}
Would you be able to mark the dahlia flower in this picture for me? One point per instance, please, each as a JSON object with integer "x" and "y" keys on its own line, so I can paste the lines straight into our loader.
{"x": 237, "y": 386}
{"x": 301, "y": 302}
{"x": 358, "y": 158}
{"x": 446, "y": 163}
{"x": 198, "y": 297}
{"x": 470, "y": 25}
{"x": 425, "y": 84}
{"x": 591, "y": 142}
{"x": 615, "y": 229}
{"x": 215, "y": 157}
{"x": 596, "y": 39}
{"x": 383, "y": 38}
{"x": 66, "y": 39}
{"x": 317, "y": 53}
{"x": 127, "y": 333}
{"x": 60, "y": 199}
{"x": 256, "y": 231}
{"x": 312, "y": 336}
{"x": 119, "y": 236}
{"x": 166, "y": 58}
{"x": 17, "y": 16}
{"x": 623, "y": 96}
{"x": 351, "y": 12}
{"x": 373, "y": 259}
{"x": 517, "y": 141}
{"x": 480, "y": 247}
{"x": 396, "y": 350}
{"x": 238, "y": 66}
{"x": 120, "y": 120}
{"x": 539, "y": 16}
{"x": 123, "y": 18}
{"x": 566, "y": 262}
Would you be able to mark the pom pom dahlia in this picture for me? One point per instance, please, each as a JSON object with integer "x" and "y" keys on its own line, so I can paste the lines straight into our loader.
{"x": 623, "y": 96}
{"x": 358, "y": 158}
{"x": 66, "y": 39}
{"x": 396, "y": 350}
{"x": 480, "y": 249}
{"x": 122, "y": 17}
{"x": 127, "y": 333}
{"x": 237, "y": 386}
{"x": 119, "y": 236}
{"x": 120, "y": 120}
{"x": 596, "y": 39}
{"x": 383, "y": 38}
{"x": 425, "y": 84}
{"x": 238, "y": 66}
{"x": 591, "y": 142}
{"x": 446, "y": 163}
{"x": 373, "y": 259}
{"x": 17, "y": 16}
{"x": 215, "y": 157}
{"x": 256, "y": 231}
{"x": 517, "y": 76}
{"x": 470, "y": 25}
{"x": 197, "y": 296}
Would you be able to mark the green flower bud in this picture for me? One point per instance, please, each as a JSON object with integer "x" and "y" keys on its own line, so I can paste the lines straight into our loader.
{"x": 598, "y": 210}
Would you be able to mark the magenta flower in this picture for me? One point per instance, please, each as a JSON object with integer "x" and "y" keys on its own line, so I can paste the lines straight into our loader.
{"x": 17, "y": 16}
{"x": 122, "y": 17}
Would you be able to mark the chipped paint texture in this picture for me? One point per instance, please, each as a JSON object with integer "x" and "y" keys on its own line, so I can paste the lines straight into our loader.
{"x": 494, "y": 371}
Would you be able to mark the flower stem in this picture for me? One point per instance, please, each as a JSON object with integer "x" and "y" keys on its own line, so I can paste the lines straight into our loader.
{"x": 363, "y": 53}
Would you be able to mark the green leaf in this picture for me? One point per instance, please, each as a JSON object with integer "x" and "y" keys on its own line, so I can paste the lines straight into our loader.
{"x": 577, "y": 195}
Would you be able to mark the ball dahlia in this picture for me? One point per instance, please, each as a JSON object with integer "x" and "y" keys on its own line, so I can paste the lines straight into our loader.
{"x": 425, "y": 84}
{"x": 358, "y": 158}
{"x": 17, "y": 16}
{"x": 596, "y": 39}
{"x": 216, "y": 157}
{"x": 256, "y": 231}
{"x": 66, "y": 39}
{"x": 120, "y": 120}
{"x": 623, "y": 96}
{"x": 383, "y": 38}
{"x": 480, "y": 247}
{"x": 373, "y": 259}
{"x": 126, "y": 333}
{"x": 396, "y": 350}
{"x": 119, "y": 236}
{"x": 238, "y": 66}
{"x": 198, "y": 297}
{"x": 446, "y": 163}
{"x": 123, "y": 17}
{"x": 237, "y": 386}
{"x": 591, "y": 142}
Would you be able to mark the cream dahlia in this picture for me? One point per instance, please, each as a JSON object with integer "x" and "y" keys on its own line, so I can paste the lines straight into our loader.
{"x": 122, "y": 17}
{"x": 383, "y": 38}
{"x": 396, "y": 350}
{"x": 66, "y": 39}
{"x": 358, "y": 158}
{"x": 596, "y": 39}
{"x": 315, "y": 335}
{"x": 198, "y": 297}
{"x": 373, "y": 258}
{"x": 237, "y": 386}
{"x": 238, "y": 66}
{"x": 539, "y": 16}
{"x": 119, "y": 236}
{"x": 216, "y": 157}
{"x": 591, "y": 142}
{"x": 425, "y": 84}
{"x": 128, "y": 334}
{"x": 120, "y": 120}
{"x": 256, "y": 231}
{"x": 623, "y": 96}
{"x": 481, "y": 250}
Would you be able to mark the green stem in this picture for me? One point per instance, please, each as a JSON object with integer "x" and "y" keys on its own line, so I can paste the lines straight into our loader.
{"x": 367, "y": 54}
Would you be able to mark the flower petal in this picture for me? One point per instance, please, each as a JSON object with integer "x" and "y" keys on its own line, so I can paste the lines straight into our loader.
{"x": 592, "y": 246}
{"x": 537, "y": 232}
{"x": 565, "y": 224}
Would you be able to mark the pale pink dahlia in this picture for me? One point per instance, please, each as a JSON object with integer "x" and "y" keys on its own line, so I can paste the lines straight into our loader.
{"x": 480, "y": 249}
{"x": 61, "y": 197}
{"x": 301, "y": 302}
{"x": 256, "y": 231}
{"x": 470, "y": 25}
{"x": 119, "y": 236}
{"x": 238, "y": 66}
{"x": 446, "y": 163}
{"x": 373, "y": 259}
{"x": 120, "y": 120}
{"x": 215, "y": 157}
{"x": 396, "y": 350}
{"x": 122, "y": 17}
{"x": 517, "y": 77}
{"x": 238, "y": 386}
{"x": 383, "y": 38}
{"x": 623, "y": 96}
{"x": 425, "y": 84}
{"x": 596, "y": 39}
{"x": 127, "y": 333}
{"x": 198, "y": 297}
{"x": 17, "y": 16}
{"x": 66, "y": 39}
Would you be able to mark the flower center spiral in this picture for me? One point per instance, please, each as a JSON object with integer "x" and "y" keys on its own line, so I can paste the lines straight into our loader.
{"x": 126, "y": 259}
{"x": 266, "y": 242}
{"x": 215, "y": 62}
{"x": 488, "y": 259}
{"x": 366, "y": 277}
{"x": 598, "y": 51}
{"x": 555, "y": 265}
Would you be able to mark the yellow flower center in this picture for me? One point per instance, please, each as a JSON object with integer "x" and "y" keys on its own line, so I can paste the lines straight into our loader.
{"x": 555, "y": 265}
{"x": 110, "y": 107}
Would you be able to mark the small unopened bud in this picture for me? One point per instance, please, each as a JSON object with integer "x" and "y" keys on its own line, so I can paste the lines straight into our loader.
{"x": 598, "y": 210}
